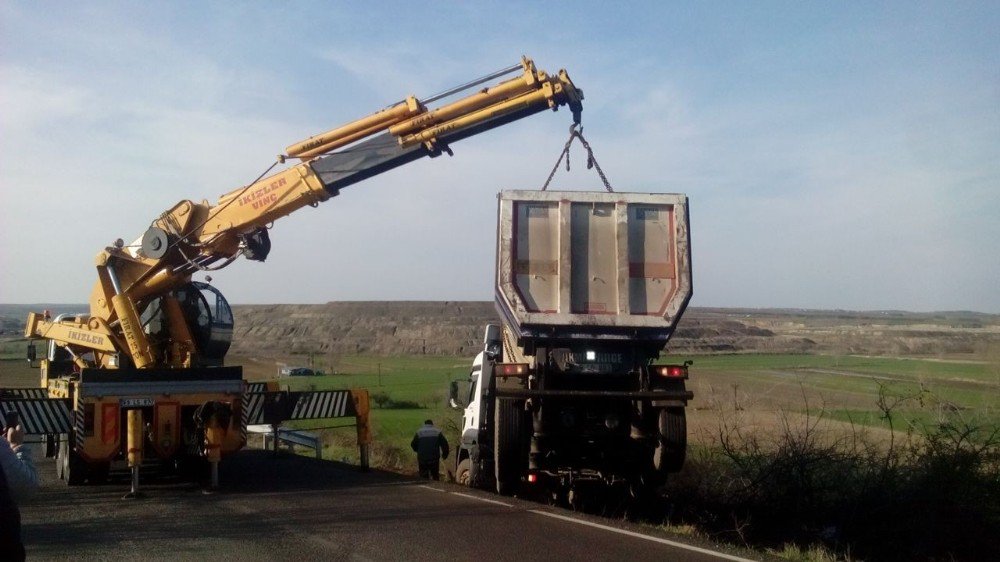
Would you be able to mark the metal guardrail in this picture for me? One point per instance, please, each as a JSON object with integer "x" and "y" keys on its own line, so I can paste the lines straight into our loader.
{"x": 268, "y": 434}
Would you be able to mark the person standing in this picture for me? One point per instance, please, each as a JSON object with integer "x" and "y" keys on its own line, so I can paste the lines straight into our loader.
{"x": 431, "y": 446}
{"x": 15, "y": 457}
{"x": 18, "y": 480}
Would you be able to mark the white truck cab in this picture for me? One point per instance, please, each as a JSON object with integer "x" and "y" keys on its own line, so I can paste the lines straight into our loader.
{"x": 473, "y": 398}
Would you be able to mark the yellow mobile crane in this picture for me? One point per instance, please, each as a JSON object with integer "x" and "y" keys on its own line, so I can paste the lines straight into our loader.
{"x": 153, "y": 345}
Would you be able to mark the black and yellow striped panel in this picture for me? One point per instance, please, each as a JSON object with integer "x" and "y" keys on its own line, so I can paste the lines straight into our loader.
{"x": 79, "y": 430}
{"x": 253, "y": 408}
{"x": 34, "y": 393}
{"x": 322, "y": 404}
{"x": 255, "y": 387}
{"x": 276, "y": 407}
{"x": 39, "y": 416}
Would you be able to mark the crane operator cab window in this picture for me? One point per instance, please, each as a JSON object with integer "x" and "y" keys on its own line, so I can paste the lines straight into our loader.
{"x": 207, "y": 315}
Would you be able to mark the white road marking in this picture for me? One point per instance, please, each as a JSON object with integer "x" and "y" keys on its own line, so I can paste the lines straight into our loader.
{"x": 471, "y": 497}
{"x": 426, "y": 487}
{"x": 641, "y": 536}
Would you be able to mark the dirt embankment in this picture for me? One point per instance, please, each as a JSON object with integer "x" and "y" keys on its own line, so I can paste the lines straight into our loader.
{"x": 377, "y": 328}
{"x": 456, "y": 327}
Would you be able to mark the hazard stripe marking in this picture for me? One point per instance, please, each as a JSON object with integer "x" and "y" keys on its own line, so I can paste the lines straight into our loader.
{"x": 78, "y": 425}
{"x": 39, "y": 416}
{"x": 341, "y": 402}
{"x": 33, "y": 393}
{"x": 308, "y": 405}
{"x": 253, "y": 409}
{"x": 321, "y": 404}
{"x": 256, "y": 387}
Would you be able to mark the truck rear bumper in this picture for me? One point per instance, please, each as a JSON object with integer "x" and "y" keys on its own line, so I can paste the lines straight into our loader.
{"x": 655, "y": 395}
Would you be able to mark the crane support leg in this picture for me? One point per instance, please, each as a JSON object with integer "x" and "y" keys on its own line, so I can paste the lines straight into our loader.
{"x": 135, "y": 442}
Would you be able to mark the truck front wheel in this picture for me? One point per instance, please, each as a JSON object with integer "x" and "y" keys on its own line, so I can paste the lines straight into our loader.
{"x": 463, "y": 474}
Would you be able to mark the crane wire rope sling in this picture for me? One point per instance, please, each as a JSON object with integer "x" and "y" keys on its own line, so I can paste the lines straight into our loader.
{"x": 576, "y": 132}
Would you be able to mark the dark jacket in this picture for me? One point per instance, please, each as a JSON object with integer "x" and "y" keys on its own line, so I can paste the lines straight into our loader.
{"x": 10, "y": 524}
{"x": 426, "y": 443}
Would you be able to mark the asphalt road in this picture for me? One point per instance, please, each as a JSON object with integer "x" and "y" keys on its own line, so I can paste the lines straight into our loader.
{"x": 298, "y": 508}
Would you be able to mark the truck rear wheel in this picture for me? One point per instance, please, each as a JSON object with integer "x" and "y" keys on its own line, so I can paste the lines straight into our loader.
{"x": 509, "y": 451}
{"x": 672, "y": 447}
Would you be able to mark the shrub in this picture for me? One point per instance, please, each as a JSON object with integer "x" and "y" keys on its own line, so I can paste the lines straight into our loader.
{"x": 933, "y": 493}
{"x": 386, "y": 402}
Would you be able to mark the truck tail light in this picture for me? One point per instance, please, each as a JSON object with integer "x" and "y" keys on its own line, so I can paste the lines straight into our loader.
{"x": 671, "y": 371}
{"x": 512, "y": 369}
{"x": 532, "y": 478}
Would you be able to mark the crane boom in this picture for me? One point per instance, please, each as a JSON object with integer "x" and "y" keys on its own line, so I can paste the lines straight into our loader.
{"x": 145, "y": 311}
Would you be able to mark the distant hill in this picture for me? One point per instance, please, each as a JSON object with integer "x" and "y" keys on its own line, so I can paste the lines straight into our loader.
{"x": 456, "y": 327}
{"x": 383, "y": 328}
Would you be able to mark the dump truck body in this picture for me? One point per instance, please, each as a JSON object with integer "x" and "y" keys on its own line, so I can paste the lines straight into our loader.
{"x": 592, "y": 265}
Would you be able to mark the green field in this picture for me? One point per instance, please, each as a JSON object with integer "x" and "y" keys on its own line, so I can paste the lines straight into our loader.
{"x": 16, "y": 349}
{"x": 411, "y": 389}
{"x": 906, "y": 367}
{"x": 844, "y": 388}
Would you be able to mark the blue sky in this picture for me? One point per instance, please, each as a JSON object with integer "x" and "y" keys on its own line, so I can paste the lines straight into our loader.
{"x": 835, "y": 157}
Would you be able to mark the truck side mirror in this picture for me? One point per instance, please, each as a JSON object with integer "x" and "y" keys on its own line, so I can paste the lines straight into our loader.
{"x": 454, "y": 399}
{"x": 492, "y": 335}
{"x": 492, "y": 341}
{"x": 32, "y": 353}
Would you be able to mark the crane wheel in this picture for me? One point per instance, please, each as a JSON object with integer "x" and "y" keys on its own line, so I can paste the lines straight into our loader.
{"x": 69, "y": 466}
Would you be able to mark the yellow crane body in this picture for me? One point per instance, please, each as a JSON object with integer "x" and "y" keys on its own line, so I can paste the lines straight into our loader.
{"x": 155, "y": 339}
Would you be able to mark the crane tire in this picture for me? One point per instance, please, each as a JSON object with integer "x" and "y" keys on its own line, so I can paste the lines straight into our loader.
{"x": 73, "y": 469}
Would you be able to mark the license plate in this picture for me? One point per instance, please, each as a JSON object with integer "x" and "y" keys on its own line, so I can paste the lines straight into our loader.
{"x": 135, "y": 402}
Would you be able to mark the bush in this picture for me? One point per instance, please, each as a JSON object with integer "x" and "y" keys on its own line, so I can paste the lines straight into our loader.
{"x": 933, "y": 494}
{"x": 386, "y": 402}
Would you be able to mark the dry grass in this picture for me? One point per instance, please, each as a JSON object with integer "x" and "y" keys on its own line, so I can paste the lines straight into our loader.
{"x": 814, "y": 553}
{"x": 812, "y": 489}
